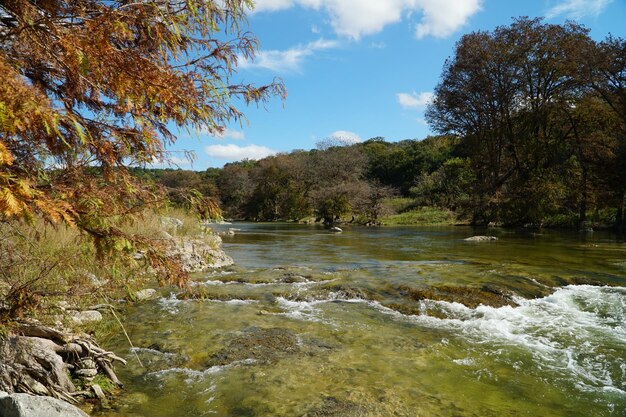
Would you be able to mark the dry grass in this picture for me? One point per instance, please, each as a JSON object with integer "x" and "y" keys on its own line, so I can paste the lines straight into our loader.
{"x": 42, "y": 264}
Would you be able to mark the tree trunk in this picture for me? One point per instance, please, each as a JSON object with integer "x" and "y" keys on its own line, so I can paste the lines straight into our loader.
{"x": 619, "y": 215}
{"x": 582, "y": 214}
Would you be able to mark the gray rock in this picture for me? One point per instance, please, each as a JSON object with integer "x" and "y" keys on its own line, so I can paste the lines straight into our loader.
{"x": 480, "y": 238}
{"x": 87, "y": 316}
{"x": 63, "y": 305}
{"x": 91, "y": 279}
{"x": 146, "y": 294}
{"x": 86, "y": 373}
{"x": 26, "y": 405}
{"x": 171, "y": 222}
{"x": 200, "y": 253}
{"x": 139, "y": 255}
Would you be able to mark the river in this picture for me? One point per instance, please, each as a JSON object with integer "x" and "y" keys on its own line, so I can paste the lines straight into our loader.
{"x": 392, "y": 321}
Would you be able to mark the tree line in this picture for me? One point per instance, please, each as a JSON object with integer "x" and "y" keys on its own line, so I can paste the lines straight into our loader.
{"x": 331, "y": 182}
{"x": 532, "y": 124}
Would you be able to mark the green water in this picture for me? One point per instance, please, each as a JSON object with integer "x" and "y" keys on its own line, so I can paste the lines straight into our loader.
{"x": 311, "y": 323}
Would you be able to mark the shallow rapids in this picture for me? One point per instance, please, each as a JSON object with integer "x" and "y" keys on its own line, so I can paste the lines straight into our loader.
{"x": 386, "y": 322}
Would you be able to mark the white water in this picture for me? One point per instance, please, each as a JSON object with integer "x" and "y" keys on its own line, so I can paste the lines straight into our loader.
{"x": 575, "y": 333}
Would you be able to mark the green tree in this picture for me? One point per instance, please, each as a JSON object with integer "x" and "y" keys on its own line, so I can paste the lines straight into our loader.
{"x": 504, "y": 93}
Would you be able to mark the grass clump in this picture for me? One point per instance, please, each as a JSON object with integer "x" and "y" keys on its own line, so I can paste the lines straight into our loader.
{"x": 423, "y": 216}
{"x": 42, "y": 265}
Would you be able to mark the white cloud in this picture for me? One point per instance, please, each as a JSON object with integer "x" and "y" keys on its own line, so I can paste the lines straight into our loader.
{"x": 235, "y": 153}
{"x": 231, "y": 134}
{"x": 288, "y": 60}
{"x": 345, "y": 137}
{"x": 356, "y": 18}
{"x": 577, "y": 9}
{"x": 441, "y": 18}
{"x": 414, "y": 100}
{"x": 224, "y": 134}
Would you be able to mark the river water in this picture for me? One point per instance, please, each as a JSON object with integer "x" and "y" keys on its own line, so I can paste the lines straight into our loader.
{"x": 393, "y": 321}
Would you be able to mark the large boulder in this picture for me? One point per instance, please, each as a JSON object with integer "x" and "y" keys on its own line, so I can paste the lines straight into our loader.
{"x": 26, "y": 405}
{"x": 200, "y": 253}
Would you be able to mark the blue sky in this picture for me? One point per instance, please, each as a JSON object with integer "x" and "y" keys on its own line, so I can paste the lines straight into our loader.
{"x": 357, "y": 69}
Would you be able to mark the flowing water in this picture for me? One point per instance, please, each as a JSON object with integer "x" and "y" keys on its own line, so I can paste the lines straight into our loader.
{"x": 387, "y": 322}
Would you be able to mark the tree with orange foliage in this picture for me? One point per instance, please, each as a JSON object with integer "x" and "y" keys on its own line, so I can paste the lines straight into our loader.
{"x": 89, "y": 87}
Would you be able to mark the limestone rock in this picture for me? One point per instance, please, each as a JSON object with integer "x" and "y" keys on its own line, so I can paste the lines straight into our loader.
{"x": 146, "y": 294}
{"x": 26, "y": 405}
{"x": 87, "y": 316}
{"x": 200, "y": 253}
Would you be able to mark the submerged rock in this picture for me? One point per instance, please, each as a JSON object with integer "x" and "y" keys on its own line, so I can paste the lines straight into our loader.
{"x": 26, "y": 405}
{"x": 471, "y": 297}
{"x": 480, "y": 238}
{"x": 265, "y": 345}
{"x": 292, "y": 277}
{"x": 338, "y": 408}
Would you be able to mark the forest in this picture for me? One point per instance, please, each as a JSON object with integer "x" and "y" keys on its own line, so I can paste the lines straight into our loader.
{"x": 532, "y": 124}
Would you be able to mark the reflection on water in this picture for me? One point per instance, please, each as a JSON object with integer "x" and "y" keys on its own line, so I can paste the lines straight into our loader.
{"x": 387, "y": 322}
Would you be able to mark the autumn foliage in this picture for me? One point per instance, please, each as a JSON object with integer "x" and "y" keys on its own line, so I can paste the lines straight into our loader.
{"x": 90, "y": 87}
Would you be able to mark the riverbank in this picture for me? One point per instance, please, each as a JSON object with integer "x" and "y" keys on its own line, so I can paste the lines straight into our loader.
{"x": 404, "y": 212}
{"x": 58, "y": 299}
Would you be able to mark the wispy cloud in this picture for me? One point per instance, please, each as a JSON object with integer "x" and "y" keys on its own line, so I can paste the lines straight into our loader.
{"x": 414, "y": 100}
{"x": 357, "y": 18}
{"x": 226, "y": 133}
{"x": 235, "y": 153}
{"x": 577, "y": 9}
{"x": 289, "y": 60}
{"x": 231, "y": 134}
